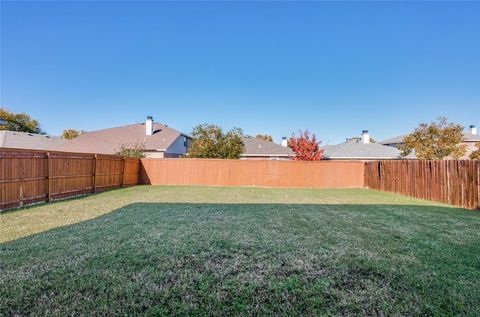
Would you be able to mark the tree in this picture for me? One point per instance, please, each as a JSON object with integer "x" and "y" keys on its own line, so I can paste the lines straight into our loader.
{"x": 20, "y": 122}
{"x": 265, "y": 137}
{"x": 306, "y": 148}
{"x": 209, "y": 141}
{"x": 437, "y": 140}
{"x": 475, "y": 155}
{"x": 72, "y": 133}
{"x": 357, "y": 139}
{"x": 132, "y": 150}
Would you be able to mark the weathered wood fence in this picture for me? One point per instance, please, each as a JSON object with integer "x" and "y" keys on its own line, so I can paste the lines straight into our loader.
{"x": 28, "y": 176}
{"x": 455, "y": 182}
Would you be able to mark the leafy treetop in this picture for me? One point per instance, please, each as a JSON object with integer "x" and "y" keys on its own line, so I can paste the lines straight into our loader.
{"x": 209, "y": 141}
{"x": 20, "y": 122}
{"x": 306, "y": 148}
{"x": 435, "y": 141}
{"x": 475, "y": 155}
{"x": 265, "y": 137}
{"x": 72, "y": 133}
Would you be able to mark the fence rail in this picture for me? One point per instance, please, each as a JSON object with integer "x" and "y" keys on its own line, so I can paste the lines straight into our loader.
{"x": 28, "y": 176}
{"x": 455, "y": 182}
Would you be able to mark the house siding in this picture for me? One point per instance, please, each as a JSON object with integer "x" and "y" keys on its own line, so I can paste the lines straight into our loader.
{"x": 178, "y": 148}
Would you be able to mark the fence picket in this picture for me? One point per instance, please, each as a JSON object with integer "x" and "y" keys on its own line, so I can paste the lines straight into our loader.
{"x": 455, "y": 182}
{"x": 29, "y": 176}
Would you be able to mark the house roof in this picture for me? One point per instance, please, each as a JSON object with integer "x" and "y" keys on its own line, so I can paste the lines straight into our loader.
{"x": 360, "y": 151}
{"x": 109, "y": 141}
{"x": 260, "y": 147}
{"x": 31, "y": 141}
{"x": 468, "y": 137}
{"x": 395, "y": 140}
{"x": 471, "y": 137}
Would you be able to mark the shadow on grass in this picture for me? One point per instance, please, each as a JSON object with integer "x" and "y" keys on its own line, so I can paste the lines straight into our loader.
{"x": 249, "y": 259}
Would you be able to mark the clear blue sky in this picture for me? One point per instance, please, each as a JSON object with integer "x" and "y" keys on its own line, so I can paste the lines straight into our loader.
{"x": 334, "y": 68}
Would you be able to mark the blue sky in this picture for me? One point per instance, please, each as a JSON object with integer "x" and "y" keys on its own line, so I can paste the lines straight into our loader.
{"x": 334, "y": 68}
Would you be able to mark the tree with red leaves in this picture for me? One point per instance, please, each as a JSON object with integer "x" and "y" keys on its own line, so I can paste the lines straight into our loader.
{"x": 305, "y": 148}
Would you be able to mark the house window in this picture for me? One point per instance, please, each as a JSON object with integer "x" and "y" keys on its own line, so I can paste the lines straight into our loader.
{"x": 184, "y": 141}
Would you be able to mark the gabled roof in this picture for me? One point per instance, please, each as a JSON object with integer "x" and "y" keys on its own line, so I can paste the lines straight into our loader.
{"x": 260, "y": 147}
{"x": 109, "y": 141}
{"x": 360, "y": 151}
{"x": 31, "y": 141}
{"x": 468, "y": 137}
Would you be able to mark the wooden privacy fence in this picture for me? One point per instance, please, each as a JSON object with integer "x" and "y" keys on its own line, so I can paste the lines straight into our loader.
{"x": 452, "y": 182}
{"x": 28, "y": 176}
{"x": 263, "y": 173}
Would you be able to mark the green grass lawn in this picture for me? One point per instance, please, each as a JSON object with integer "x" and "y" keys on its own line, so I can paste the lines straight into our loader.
{"x": 198, "y": 251}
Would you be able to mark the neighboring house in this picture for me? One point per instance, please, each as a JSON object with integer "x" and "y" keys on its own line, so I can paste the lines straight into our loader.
{"x": 30, "y": 141}
{"x": 259, "y": 149}
{"x": 470, "y": 138}
{"x": 159, "y": 140}
{"x": 360, "y": 149}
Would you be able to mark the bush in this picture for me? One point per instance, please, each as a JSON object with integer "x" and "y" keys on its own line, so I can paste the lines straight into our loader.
{"x": 132, "y": 150}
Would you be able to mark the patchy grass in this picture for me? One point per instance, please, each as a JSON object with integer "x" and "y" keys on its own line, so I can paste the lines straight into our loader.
{"x": 240, "y": 251}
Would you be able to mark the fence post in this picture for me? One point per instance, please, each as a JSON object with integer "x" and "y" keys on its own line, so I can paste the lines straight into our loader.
{"x": 123, "y": 171}
{"x": 94, "y": 175}
{"x": 49, "y": 185}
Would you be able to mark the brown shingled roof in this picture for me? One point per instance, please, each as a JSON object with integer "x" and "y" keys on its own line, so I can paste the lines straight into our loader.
{"x": 31, "y": 141}
{"x": 260, "y": 147}
{"x": 109, "y": 141}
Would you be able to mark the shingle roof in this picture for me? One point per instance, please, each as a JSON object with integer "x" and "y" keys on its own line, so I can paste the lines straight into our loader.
{"x": 360, "y": 151}
{"x": 468, "y": 137}
{"x": 109, "y": 141}
{"x": 32, "y": 141}
{"x": 260, "y": 147}
{"x": 395, "y": 140}
{"x": 471, "y": 137}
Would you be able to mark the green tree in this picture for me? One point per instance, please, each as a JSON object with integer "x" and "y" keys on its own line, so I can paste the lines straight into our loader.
{"x": 132, "y": 150}
{"x": 475, "y": 155}
{"x": 20, "y": 122}
{"x": 209, "y": 141}
{"x": 437, "y": 140}
{"x": 72, "y": 133}
{"x": 265, "y": 137}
